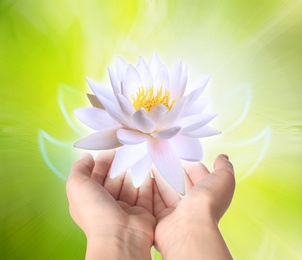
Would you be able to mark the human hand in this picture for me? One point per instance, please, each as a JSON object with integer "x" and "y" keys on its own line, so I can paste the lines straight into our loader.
{"x": 188, "y": 227}
{"x": 116, "y": 218}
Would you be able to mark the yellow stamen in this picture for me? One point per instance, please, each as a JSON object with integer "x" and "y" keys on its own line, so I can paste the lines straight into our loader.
{"x": 148, "y": 99}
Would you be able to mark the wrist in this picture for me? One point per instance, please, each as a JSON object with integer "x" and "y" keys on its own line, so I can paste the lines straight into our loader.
{"x": 182, "y": 230}
{"x": 195, "y": 239}
{"x": 118, "y": 243}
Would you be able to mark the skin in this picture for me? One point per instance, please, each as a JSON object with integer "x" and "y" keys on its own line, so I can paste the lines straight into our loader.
{"x": 187, "y": 228}
{"x": 116, "y": 218}
{"x": 122, "y": 222}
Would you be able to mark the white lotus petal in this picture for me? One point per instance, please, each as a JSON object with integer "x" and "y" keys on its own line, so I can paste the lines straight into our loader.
{"x": 184, "y": 71}
{"x": 195, "y": 94}
{"x": 100, "y": 140}
{"x": 168, "y": 163}
{"x": 100, "y": 90}
{"x": 188, "y": 148}
{"x": 114, "y": 82}
{"x": 182, "y": 87}
{"x": 115, "y": 111}
{"x": 133, "y": 80}
{"x": 126, "y": 106}
{"x": 95, "y": 118}
{"x": 109, "y": 102}
{"x": 168, "y": 133}
{"x": 192, "y": 123}
{"x": 126, "y": 157}
{"x": 174, "y": 79}
{"x": 140, "y": 171}
{"x": 154, "y": 64}
{"x": 144, "y": 72}
{"x": 173, "y": 114}
{"x": 191, "y": 98}
{"x": 158, "y": 113}
{"x": 197, "y": 107}
{"x": 131, "y": 136}
{"x": 142, "y": 122}
{"x": 121, "y": 68}
{"x": 162, "y": 78}
{"x": 203, "y": 132}
{"x": 124, "y": 89}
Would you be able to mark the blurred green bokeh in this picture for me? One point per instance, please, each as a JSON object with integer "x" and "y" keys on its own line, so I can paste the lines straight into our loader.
{"x": 251, "y": 49}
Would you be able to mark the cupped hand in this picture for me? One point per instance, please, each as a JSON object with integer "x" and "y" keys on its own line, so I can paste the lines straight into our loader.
{"x": 102, "y": 206}
{"x": 207, "y": 198}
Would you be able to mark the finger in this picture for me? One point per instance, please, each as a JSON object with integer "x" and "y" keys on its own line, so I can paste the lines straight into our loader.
{"x": 196, "y": 171}
{"x": 224, "y": 171}
{"x": 102, "y": 165}
{"x": 168, "y": 194}
{"x": 82, "y": 169}
{"x": 223, "y": 184}
{"x": 158, "y": 202}
{"x": 128, "y": 192}
{"x": 189, "y": 183}
{"x": 222, "y": 163}
{"x": 113, "y": 186}
{"x": 145, "y": 195}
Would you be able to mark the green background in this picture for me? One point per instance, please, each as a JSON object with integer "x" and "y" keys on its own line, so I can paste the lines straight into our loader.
{"x": 251, "y": 49}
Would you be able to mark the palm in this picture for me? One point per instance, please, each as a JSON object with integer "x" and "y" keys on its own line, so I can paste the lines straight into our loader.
{"x": 110, "y": 202}
{"x": 169, "y": 208}
{"x": 208, "y": 194}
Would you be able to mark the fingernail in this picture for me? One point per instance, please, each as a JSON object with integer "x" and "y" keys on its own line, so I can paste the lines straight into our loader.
{"x": 225, "y": 156}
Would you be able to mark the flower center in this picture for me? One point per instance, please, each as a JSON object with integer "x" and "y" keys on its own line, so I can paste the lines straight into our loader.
{"x": 148, "y": 99}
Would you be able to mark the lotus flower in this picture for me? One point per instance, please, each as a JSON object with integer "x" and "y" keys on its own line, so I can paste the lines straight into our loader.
{"x": 148, "y": 116}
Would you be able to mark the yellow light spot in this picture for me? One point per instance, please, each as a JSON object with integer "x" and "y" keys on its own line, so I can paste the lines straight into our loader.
{"x": 148, "y": 99}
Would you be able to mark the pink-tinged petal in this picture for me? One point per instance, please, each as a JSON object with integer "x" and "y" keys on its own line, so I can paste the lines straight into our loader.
{"x": 95, "y": 118}
{"x": 100, "y": 140}
{"x": 197, "y": 107}
{"x": 142, "y": 122}
{"x": 131, "y": 136}
{"x": 121, "y": 68}
{"x": 192, "y": 123}
{"x": 133, "y": 80}
{"x": 168, "y": 163}
{"x": 188, "y": 148}
{"x": 144, "y": 72}
{"x": 126, "y": 157}
{"x": 167, "y": 133}
{"x": 100, "y": 90}
{"x": 140, "y": 171}
{"x": 162, "y": 78}
{"x": 203, "y": 132}
{"x": 158, "y": 113}
{"x": 114, "y": 81}
{"x": 126, "y": 106}
{"x": 154, "y": 64}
